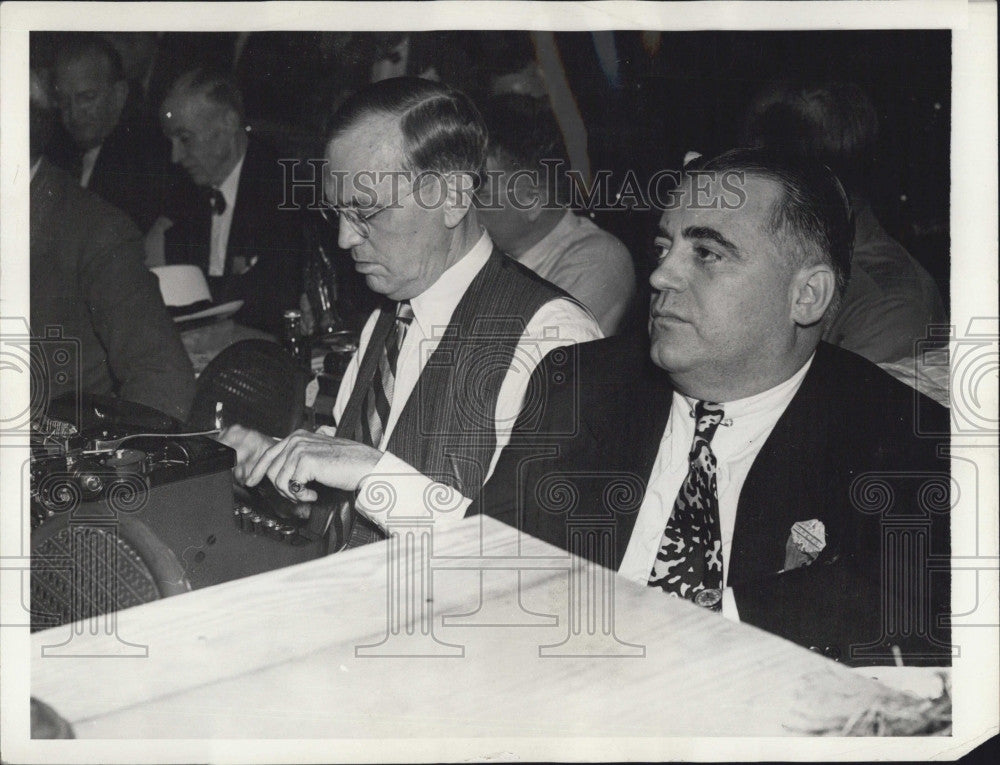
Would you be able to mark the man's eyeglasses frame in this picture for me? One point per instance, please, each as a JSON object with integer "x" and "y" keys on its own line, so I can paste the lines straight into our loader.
{"x": 360, "y": 223}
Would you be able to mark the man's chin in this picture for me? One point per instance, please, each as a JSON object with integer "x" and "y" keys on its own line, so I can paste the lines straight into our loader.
{"x": 377, "y": 284}
{"x": 670, "y": 356}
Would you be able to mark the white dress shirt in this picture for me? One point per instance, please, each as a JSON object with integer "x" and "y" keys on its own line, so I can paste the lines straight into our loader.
{"x": 559, "y": 322}
{"x": 88, "y": 161}
{"x": 738, "y": 440}
{"x": 222, "y": 223}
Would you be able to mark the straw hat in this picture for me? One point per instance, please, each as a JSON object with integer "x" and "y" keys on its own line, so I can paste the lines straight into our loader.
{"x": 185, "y": 293}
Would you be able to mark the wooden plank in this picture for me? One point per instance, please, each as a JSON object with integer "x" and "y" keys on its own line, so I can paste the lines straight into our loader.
{"x": 277, "y": 656}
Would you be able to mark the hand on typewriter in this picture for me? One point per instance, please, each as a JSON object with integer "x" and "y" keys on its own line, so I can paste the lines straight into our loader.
{"x": 249, "y": 445}
{"x": 305, "y": 456}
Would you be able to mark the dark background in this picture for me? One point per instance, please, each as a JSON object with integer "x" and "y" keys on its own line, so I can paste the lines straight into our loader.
{"x": 688, "y": 94}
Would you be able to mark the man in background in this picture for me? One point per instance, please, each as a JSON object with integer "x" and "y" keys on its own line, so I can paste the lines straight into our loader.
{"x": 522, "y": 206}
{"x": 88, "y": 280}
{"x": 890, "y": 299}
{"x": 103, "y": 147}
{"x": 227, "y": 219}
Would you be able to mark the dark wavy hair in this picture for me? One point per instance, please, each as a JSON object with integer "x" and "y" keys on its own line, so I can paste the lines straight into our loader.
{"x": 443, "y": 131}
{"x": 813, "y": 209}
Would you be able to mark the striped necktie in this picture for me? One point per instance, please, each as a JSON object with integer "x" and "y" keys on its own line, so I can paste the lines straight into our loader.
{"x": 689, "y": 561}
{"x": 378, "y": 400}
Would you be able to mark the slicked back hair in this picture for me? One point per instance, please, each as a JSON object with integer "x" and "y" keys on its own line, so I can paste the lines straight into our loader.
{"x": 443, "y": 131}
{"x": 79, "y": 45}
{"x": 217, "y": 86}
{"x": 813, "y": 209}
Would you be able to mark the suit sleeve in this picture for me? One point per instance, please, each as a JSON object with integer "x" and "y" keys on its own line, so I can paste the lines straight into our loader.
{"x": 145, "y": 353}
{"x": 532, "y": 447}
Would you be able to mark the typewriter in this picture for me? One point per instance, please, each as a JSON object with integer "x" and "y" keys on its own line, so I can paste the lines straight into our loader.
{"x": 102, "y": 458}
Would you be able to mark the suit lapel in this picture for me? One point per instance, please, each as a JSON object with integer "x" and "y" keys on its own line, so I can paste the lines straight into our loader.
{"x": 789, "y": 480}
{"x": 626, "y": 436}
{"x": 246, "y": 214}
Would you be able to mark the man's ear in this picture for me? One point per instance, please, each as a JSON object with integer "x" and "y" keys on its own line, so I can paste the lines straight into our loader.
{"x": 458, "y": 197}
{"x": 813, "y": 290}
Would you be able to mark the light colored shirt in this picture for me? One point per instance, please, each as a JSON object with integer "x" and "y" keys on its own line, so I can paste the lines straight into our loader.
{"x": 738, "y": 440}
{"x": 590, "y": 264}
{"x": 222, "y": 223}
{"x": 890, "y": 300}
{"x": 559, "y": 322}
{"x": 88, "y": 162}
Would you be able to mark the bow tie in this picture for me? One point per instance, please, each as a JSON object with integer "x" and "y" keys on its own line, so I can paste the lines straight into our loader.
{"x": 217, "y": 202}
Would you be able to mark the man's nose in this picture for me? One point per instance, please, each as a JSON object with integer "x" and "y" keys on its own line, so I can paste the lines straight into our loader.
{"x": 667, "y": 275}
{"x": 347, "y": 235}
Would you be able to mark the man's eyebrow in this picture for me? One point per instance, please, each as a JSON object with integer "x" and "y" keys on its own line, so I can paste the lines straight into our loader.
{"x": 704, "y": 232}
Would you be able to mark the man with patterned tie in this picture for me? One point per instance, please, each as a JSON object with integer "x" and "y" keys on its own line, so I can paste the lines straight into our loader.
{"x": 751, "y": 452}
{"x": 428, "y": 401}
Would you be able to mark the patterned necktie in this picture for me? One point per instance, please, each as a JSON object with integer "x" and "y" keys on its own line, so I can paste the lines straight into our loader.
{"x": 378, "y": 401}
{"x": 689, "y": 561}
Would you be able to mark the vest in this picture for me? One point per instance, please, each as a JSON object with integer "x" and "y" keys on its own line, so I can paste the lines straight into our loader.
{"x": 447, "y": 428}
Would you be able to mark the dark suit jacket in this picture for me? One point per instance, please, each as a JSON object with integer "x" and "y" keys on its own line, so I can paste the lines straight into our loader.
{"x": 88, "y": 281}
{"x": 259, "y": 230}
{"x": 846, "y": 451}
{"x": 131, "y": 170}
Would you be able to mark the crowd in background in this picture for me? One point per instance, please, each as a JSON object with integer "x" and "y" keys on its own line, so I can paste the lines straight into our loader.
{"x": 645, "y": 100}
{"x": 619, "y": 107}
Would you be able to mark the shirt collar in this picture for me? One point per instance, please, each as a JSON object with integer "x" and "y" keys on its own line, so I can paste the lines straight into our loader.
{"x": 232, "y": 182}
{"x": 770, "y": 400}
{"x": 434, "y": 306}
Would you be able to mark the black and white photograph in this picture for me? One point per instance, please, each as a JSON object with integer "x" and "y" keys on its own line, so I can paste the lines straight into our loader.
{"x": 509, "y": 381}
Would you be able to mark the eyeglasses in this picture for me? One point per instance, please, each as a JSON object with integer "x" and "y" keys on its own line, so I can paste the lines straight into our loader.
{"x": 359, "y": 222}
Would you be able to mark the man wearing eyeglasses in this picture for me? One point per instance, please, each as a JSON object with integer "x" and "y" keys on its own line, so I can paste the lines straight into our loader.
{"x": 428, "y": 401}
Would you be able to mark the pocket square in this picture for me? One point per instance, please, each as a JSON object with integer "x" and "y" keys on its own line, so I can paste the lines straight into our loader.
{"x": 805, "y": 542}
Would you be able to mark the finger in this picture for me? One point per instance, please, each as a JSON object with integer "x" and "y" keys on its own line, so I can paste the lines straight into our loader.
{"x": 292, "y": 468}
{"x": 265, "y": 461}
{"x": 306, "y": 495}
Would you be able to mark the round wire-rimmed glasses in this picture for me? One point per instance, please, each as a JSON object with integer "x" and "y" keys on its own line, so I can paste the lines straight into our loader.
{"x": 360, "y": 222}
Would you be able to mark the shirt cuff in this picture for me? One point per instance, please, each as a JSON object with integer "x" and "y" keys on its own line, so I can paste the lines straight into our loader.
{"x": 729, "y": 605}
{"x": 396, "y": 493}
